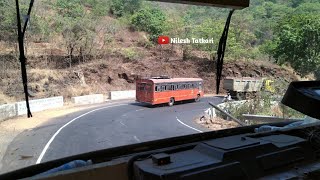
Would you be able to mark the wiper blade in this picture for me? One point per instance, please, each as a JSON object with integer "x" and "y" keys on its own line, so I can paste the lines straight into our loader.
{"x": 221, "y": 50}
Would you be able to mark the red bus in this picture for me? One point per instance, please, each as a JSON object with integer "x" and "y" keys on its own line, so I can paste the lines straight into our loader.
{"x": 168, "y": 90}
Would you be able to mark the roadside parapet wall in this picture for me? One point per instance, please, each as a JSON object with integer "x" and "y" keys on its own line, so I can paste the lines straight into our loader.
{"x": 117, "y": 95}
{"x": 7, "y": 111}
{"x": 39, "y": 105}
{"x": 36, "y": 105}
{"x": 88, "y": 99}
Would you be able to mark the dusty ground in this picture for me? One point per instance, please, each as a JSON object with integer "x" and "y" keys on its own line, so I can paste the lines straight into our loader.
{"x": 216, "y": 123}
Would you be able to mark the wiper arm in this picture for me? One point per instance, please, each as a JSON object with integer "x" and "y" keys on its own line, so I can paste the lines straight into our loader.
{"x": 22, "y": 58}
{"x": 221, "y": 50}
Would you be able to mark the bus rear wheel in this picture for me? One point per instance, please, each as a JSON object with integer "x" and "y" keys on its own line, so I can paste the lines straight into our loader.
{"x": 171, "y": 102}
{"x": 197, "y": 98}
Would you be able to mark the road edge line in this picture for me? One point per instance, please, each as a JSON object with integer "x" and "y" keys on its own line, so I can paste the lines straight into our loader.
{"x": 188, "y": 125}
{"x": 65, "y": 125}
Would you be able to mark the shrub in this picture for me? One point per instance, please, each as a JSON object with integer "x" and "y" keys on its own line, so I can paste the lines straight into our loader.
{"x": 131, "y": 54}
{"x": 150, "y": 20}
{"x": 121, "y": 7}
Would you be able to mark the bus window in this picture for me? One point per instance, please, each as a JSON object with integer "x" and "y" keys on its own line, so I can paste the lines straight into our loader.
{"x": 157, "y": 88}
{"x": 141, "y": 86}
{"x": 163, "y": 88}
{"x": 169, "y": 87}
{"x": 172, "y": 87}
{"x": 148, "y": 87}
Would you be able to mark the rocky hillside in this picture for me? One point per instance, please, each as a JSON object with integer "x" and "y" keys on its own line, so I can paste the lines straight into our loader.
{"x": 53, "y": 75}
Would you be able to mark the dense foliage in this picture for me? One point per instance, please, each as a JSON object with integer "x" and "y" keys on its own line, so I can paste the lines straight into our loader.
{"x": 298, "y": 42}
{"x": 150, "y": 20}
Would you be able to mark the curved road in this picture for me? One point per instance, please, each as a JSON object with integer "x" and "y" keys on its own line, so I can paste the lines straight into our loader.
{"x": 111, "y": 124}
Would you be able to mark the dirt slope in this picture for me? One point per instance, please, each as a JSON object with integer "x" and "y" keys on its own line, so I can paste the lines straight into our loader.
{"x": 116, "y": 67}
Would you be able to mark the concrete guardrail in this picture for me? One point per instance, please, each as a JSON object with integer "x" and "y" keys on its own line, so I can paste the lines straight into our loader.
{"x": 36, "y": 105}
{"x": 88, "y": 99}
{"x": 39, "y": 105}
{"x": 7, "y": 111}
{"x": 19, "y": 108}
{"x": 117, "y": 95}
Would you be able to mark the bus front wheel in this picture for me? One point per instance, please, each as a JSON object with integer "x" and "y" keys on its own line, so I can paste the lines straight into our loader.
{"x": 171, "y": 102}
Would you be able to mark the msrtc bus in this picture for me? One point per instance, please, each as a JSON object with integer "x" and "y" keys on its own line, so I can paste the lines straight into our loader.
{"x": 168, "y": 90}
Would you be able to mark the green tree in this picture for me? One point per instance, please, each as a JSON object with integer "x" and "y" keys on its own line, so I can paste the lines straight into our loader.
{"x": 151, "y": 20}
{"x": 121, "y": 7}
{"x": 308, "y": 8}
{"x": 8, "y": 19}
{"x": 299, "y": 42}
{"x": 70, "y": 8}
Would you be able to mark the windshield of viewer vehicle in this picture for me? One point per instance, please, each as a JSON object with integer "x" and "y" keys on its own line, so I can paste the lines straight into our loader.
{"x": 106, "y": 73}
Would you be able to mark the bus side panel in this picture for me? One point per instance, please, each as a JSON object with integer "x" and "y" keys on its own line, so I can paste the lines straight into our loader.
{"x": 178, "y": 95}
{"x": 161, "y": 97}
{"x": 188, "y": 94}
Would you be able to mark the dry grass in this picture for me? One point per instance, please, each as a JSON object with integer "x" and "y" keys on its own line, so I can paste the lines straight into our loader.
{"x": 76, "y": 91}
{"x": 4, "y": 99}
{"x": 7, "y": 48}
{"x": 216, "y": 123}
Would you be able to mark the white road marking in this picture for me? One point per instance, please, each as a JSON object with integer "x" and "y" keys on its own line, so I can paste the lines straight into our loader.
{"x": 55, "y": 134}
{"x": 122, "y": 123}
{"x": 139, "y": 110}
{"x": 188, "y": 125}
{"x": 136, "y": 138}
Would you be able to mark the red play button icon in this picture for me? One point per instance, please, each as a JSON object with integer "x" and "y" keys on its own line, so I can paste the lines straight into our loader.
{"x": 163, "y": 40}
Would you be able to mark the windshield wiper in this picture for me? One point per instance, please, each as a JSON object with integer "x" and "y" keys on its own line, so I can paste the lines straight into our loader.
{"x": 22, "y": 58}
{"x": 221, "y": 50}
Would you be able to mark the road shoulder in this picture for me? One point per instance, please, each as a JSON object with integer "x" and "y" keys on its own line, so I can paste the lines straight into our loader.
{"x": 13, "y": 127}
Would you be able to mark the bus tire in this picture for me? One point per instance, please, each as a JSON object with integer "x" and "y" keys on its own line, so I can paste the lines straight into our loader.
{"x": 197, "y": 98}
{"x": 171, "y": 102}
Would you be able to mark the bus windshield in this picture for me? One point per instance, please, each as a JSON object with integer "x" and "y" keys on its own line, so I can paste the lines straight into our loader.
{"x": 78, "y": 76}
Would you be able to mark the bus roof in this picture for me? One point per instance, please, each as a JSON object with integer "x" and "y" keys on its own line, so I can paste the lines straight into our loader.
{"x": 175, "y": 80}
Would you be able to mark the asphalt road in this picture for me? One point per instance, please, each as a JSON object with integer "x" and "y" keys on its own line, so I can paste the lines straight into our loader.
{"x": 109, "y": 125}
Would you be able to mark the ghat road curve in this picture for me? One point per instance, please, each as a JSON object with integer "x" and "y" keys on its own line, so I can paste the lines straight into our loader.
{"x": 109, "y": 125}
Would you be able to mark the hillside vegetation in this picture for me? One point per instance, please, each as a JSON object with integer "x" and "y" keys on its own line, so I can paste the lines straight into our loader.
{"x": 77, "y": 47}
